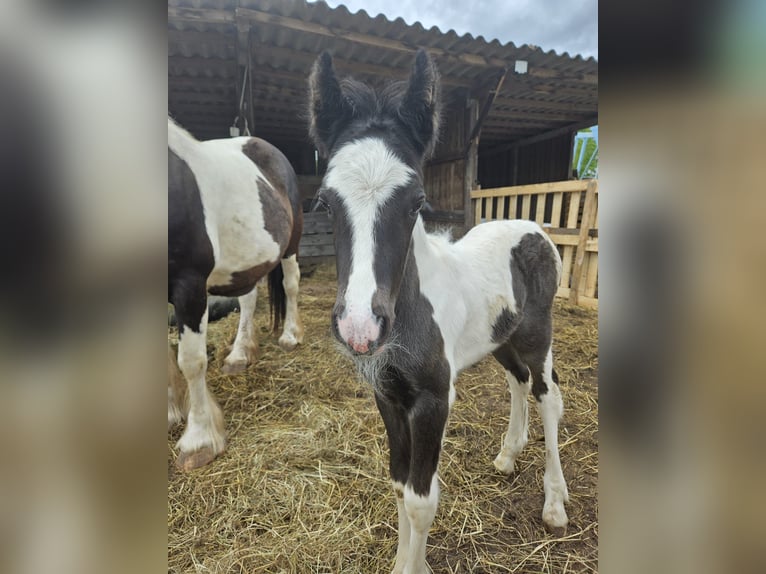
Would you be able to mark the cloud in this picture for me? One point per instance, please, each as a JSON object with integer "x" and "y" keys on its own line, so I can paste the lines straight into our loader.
{"x": 560, "y": 25}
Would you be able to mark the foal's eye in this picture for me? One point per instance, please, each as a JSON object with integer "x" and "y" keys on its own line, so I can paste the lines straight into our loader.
{"x": 418, "y": 206}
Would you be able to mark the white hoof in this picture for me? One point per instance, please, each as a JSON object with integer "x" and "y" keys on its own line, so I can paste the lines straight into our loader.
{"x": 504, "y": 463}
{"x": 555, "y": 518}
{"x": 234, "y": 367}
{"x": 288, "y": 341}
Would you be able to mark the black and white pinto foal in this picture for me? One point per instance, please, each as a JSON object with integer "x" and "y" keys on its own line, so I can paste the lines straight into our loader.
{"x": 415, "y": 309}
{"x": 234, "y": 216}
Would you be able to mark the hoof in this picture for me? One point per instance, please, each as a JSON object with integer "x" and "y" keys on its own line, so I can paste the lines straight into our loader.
{"x": 234, "y": 367}
{"x": 504, "y": 464}
{"x": 187, "y": 461}
{"x": 555, "y": 520}
{"x": 288, "y": 342}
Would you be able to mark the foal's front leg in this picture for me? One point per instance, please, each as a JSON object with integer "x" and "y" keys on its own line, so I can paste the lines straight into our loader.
{"x": 414, "y": 438}
{"x": 399, "y": 441}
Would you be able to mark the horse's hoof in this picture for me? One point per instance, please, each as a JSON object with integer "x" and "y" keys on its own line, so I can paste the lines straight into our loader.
{"x": 288, "y": 342}
{"x": 555, "y": 520}
{"x": 187, "y": 461}
{"x": 234, "y": 367}
{"x": 504, "y": 464}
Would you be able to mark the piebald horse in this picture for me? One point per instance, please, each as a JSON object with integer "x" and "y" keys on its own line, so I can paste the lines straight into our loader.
{"x": 414, "y": 309}
{"x": 234, "y": 217}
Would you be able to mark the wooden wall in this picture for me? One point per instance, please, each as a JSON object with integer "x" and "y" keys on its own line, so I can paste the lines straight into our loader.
{"x": 444, "y": 179}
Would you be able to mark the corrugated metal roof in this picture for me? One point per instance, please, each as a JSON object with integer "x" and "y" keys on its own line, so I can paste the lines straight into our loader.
{"x": 209, "y": 42}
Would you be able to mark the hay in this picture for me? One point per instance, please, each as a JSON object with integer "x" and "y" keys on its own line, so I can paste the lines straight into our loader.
{"x": 303, "y": 485}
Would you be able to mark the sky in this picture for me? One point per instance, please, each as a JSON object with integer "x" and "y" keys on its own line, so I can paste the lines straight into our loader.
{"x": 560, "y": 25}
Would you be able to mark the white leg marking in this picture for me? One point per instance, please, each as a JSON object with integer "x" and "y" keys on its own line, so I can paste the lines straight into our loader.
{"x": 515, "y": 439}
{"x": 551, "y": 408}
{"x": 176, "y": 396}
{"x": 420, "y": 512}
{"x": 245, "y": 347}
{"x": 403, "y": 548}
{"x": 292, "y": 334}
{"x": 204, "y": 429}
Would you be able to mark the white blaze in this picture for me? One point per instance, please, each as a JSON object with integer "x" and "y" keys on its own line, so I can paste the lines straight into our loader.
{"x": 365, "y": 174}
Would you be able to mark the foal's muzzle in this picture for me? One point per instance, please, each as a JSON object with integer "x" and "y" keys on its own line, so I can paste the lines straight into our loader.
{"x": 362, "y": 333}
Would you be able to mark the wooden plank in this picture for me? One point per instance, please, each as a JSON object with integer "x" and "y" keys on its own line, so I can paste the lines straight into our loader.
{"x": 477, "y": 211}
{"x": 526, "y": 202}
{"x": 311, "y": 227}
{"x": 588, "y": 215}
{"x": 591, "y": 277}
{"x": 513, "y": 202}
{"x": 540, "y": 209}
{"x": 568, "y": 251}
{"x": 317, "y": 239}
{"x": 566, "y": 239}
{"x": 548, "y": 187}
{"x": 585, "y": 301}
{"x": 316, "y": 251}
{"x": 574, "y": 210}
{"x": 558, "y": 200}
{"x": 501, "y": 208}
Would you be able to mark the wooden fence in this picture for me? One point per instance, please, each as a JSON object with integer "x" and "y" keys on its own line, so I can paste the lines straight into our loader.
{"x": 568, "y": 211}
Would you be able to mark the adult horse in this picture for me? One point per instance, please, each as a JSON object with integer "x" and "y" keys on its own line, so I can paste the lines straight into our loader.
{"x": 234, "y": 216}
{"x": 415, "y": 309}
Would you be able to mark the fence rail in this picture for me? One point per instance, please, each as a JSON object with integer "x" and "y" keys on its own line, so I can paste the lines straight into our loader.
{"x": 568, "y": 211}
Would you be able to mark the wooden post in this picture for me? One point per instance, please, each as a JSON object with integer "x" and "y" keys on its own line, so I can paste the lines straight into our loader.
{"x": 588, "y": 218}
{"x": 471, "y": 162}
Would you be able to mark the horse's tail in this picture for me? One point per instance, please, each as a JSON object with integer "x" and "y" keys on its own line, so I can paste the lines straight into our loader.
{"x": 277, "y": 297}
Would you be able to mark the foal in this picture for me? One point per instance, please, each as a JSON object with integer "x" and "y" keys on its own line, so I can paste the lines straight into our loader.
{"x": 234, "y": 216}
{"x": 415, "y": 309}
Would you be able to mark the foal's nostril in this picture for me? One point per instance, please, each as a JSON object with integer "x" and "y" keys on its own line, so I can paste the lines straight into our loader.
{"x": 383, "y": 323}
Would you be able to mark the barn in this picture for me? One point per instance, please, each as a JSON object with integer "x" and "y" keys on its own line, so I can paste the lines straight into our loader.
{"x": 303, "y": 485}
{"x": 509, "y": 122}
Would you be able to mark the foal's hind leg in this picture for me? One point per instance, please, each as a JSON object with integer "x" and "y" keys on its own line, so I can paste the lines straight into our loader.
{"x": 549, "y": 404}
{"x": 292, "y": 334}
{"x": 515, "y": 439}
{"x": 245, "y": 348}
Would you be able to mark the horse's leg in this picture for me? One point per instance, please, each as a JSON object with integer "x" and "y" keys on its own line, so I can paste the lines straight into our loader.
{"x": 292, "y": 334}
{"x": 204, "y": 436}
{"x": 177, "y": 406}
{"x": 546, "y": 390}
{"x": 245, "y": 348}
{"x": 398, "y": 431}
{"x": 427, "y": 418}
{"x": 515, "y": 439}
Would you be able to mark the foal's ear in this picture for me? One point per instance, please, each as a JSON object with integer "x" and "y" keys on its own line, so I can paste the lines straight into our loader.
{"x": 420, "y": 107}
{"x": 328, "y": 110}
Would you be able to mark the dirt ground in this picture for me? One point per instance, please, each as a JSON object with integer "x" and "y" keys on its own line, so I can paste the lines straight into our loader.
{"x": 303, "y": 485}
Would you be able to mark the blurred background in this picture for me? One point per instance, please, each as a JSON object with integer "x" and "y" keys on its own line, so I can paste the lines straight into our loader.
{"x": 83, "y": 314}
